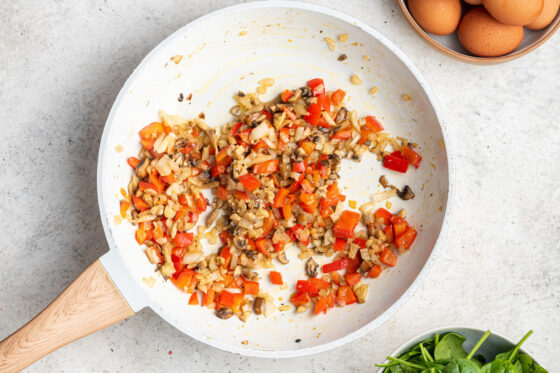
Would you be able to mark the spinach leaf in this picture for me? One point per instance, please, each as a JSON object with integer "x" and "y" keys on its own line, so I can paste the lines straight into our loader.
{"x": 512, "y": 354}
{"x": 481, "y": 359}
{"x": 526, "y": 363}
{"x": 450, "y": 347}
{"x": 461, "y": 366}
{"x": 502, "y": 366}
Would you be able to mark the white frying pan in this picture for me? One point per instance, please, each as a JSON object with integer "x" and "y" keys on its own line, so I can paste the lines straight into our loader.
{"x": 225, "y": 51}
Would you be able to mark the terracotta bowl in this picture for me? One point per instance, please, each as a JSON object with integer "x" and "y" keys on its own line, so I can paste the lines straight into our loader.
{"x": 449, "y": 44}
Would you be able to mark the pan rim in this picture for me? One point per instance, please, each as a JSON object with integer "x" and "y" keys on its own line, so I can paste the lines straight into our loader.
{"x": 130, "y": 287}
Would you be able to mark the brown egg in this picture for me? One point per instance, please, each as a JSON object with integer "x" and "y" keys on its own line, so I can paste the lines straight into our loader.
{"x": 549, "y": 11}
{"x": 514, "y": 12}
{"x": 483, "y": 36}
{"x": 439, "y": 17}
{"x": 473, "y": 2}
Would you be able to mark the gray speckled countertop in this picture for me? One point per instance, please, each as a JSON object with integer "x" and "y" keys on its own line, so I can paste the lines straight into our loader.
{"x": 62, "y": 64}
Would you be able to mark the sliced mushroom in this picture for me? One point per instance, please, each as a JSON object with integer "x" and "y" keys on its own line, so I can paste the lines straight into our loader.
{"x": 259, "y": 305}
{"x": 248, "y": 274}
{"x": 282, "y": 258}
{"x": 341, "y": 115}
{"x": 224, "y": 313}
{"x": 406, "y": 193}
{"x": 383, "y": 181}
{"x": 142, "y": 169}
{"x": 311, "y": 267}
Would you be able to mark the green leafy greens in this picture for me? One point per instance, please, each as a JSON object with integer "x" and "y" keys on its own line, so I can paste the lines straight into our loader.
{"x": 445, "y": 354}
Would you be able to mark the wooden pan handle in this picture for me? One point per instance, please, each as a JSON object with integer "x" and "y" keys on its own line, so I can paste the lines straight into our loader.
{"x": 92, "y": 302}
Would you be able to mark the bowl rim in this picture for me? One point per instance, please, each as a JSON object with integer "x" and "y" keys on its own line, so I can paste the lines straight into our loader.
{"x": 447, "y": 329}
{"x": 130, "y": 292}
{"x": 474, "y": 59}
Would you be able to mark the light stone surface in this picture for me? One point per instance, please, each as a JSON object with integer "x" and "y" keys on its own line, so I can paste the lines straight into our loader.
{"x": 62, "y": 64}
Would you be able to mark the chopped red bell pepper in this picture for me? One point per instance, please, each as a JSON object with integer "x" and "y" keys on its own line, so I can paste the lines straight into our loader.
{"x": 405, "y": 239}
{"x": 323, "y": 101}
{"x": 383, "y": 216}
{"x": 317, "y": 86}
{"x": 411, "y": 156}
{"x": 352, "y": 278}
{"x": 264, "y": 245}
{"x": 151, "y": 131}
{"x": 225, "y": 253}
{"x": 133, "y": 162}
{"x": 337, "y": 97}
{"x": 251, "y": 287}
{"x": 193, "y": 300}
{"x": 276, "y": 278}
{"x": 395, "y": 163}
{"x": 321, "y": 306}
{"x": 183, "y": 239}
{"x": 140, "y": 204}
{"x": 344, "y": 227}
{"x": 314, "y": 111}
{"x": 375, "y": 271}
{"x": 217, "y": 169}
{"x": 388, "y": 230}
{"x": 267, "y": 167}
{"x": 280, "y": 198}
{"x": 222, "y": 192}
{"x": 339, "y": 244}
{"x": 183, "y": 279}
{"x": 286, "y": 95}
{"x": 207, "y": 298}
{"x": 243, "y": 196}
{"x": 373, "y": 124}
{"x": 345, "y": 296}
{"x": 343, "y": 134}
{"x": 388, "y": 257}
{"x": 337, "y": 265}
{"x": 250, "y": 183}
{"x": 299, "y": 299}
{"x": 399, "y": 227}
{"x": 299, "y": 166}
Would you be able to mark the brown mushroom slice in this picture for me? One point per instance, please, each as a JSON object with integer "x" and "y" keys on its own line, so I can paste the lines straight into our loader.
{"x": 224, "y": 313}
{"x": 259, "y": 305}
{"x": 311, "y": 267}
{"x": 406, "y": 193}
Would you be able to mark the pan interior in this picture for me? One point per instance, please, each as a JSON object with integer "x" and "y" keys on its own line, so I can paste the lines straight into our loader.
{"x": 232, "y": 50}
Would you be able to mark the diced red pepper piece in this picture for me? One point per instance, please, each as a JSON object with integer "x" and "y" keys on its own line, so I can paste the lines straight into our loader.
{"x": 405, "y": 239}
{"x": 151, "y": 131}
{"x": 235, "y": 128}
{"x": 317, "y": 86}
{"x": 183, "y": 239}
{"x": 307, "y": 147}
{"x": 375, "y": 271}
{"x": 337, "y": 97}
{"x": 308, "y": 202}
{"x": 269, "y": 115}
{"x": 339, "y": 244}
{"x": 142, "y": 236}
{"x": 314, "y": 111}
{"x": 184, "y": 279}
{"x": 201, "y": 204}
{"x": 383, "y": 216}
{"x": 124, "y": 205}
{"x": 251, "y": 287}
{"x": 388, "y": 233}
{"x": 353, "y": 278}
{"x": 207, "y": 298}
{"x": 280, "y": 198}
{"x": 217, "y": 169}
{"x": 268, "y": 224}
{"x": 411, "y": 156}
{"x": 243, "y": 196}
{"x": 227, "y": 299}
{"x": 337, "y": 265}
{"x": 319, "y": 284}
{"x": 169, "y": 179}
{"x": 222, "y": 192}
{"x": 323, "y": 101}
{"x": 399, "y": 227}
{"x": 345, "y": 296}
{"x": 299, "y": 299}
{"x": 395, "y": 163}
{"x": 299, "y": 166}
{"x": 250, "y": 183}
{"x": 193, "y": 300}
{"x": 225, "y": 253}
{"x": 321, "y": 306}
{"x": 388, "y": 257}
{"x": 276, "y": 278}
{"x": 373, "y": 124}
{"x": 140, "y": 204}
{"x": 354, "y": 264}
{"x": 133, "y": 162}
{"x": 264, "y": 245}
{"x": 265, "y": 168}
{"x": 345, "y": 225}
{"x": 286, "y": 95}
{"x": 343, "y": 134}
{"x": 225, "y": 237}
{"x": 156, "y": 182}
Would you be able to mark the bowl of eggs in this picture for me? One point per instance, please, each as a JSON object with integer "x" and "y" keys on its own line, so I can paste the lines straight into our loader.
{"x": 483, "y": 31}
